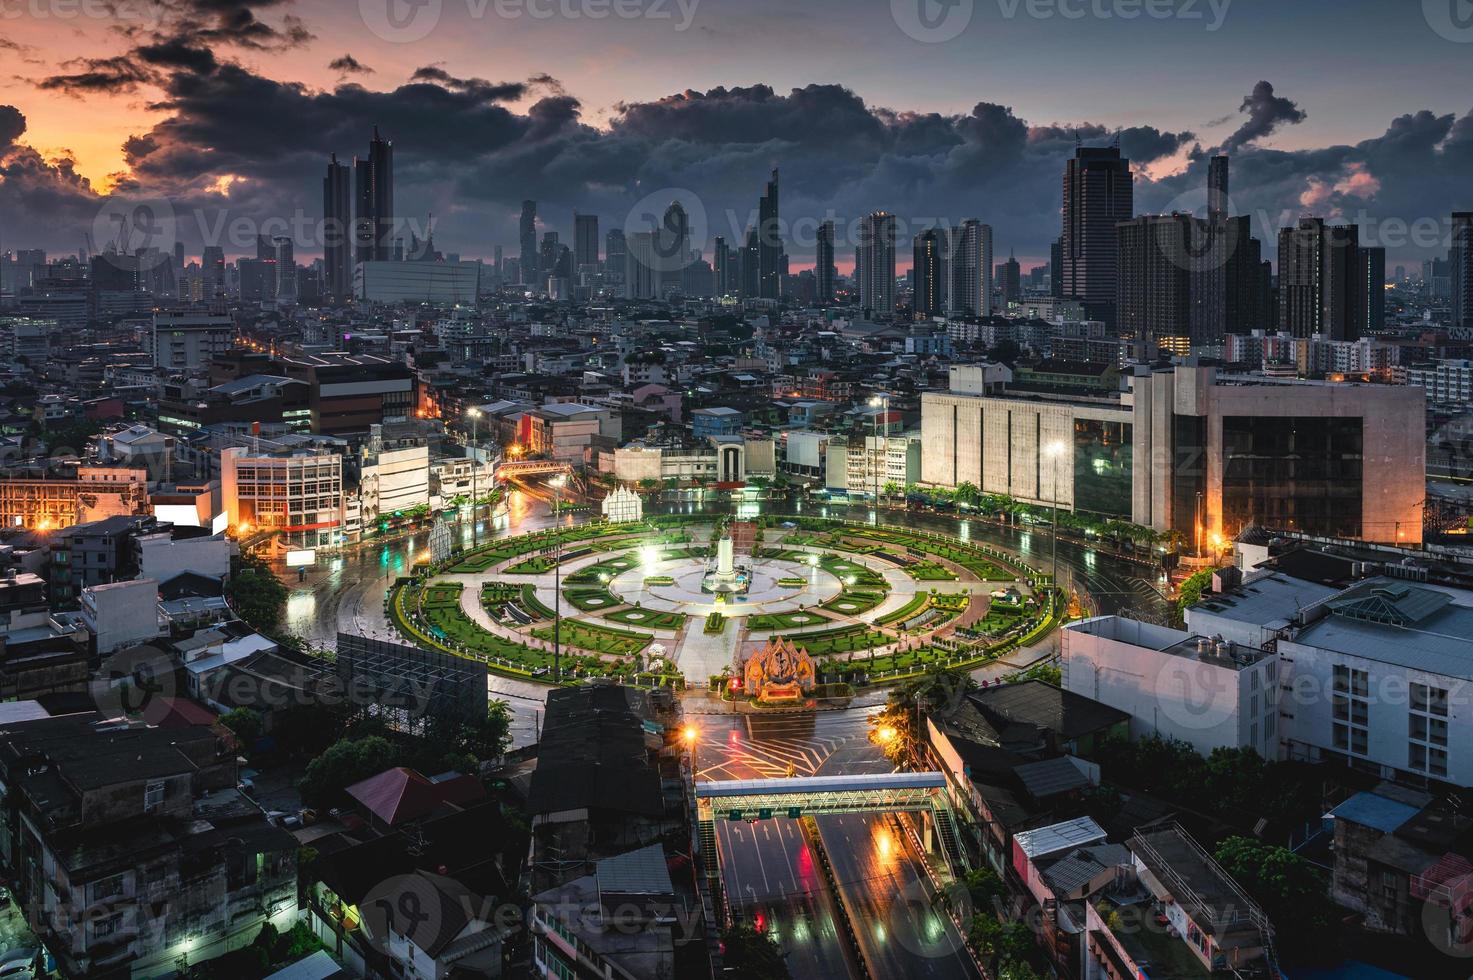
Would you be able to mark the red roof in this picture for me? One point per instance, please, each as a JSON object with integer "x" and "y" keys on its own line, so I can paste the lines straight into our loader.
{"x": 400, "y": 794}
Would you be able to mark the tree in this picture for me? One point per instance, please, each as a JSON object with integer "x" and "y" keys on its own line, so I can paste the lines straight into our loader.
{"x": 748, "y": 954}
{"x": 244, "y": 724}
{"x": 1191, "y": 591}
{"x": 967, "y": 492}
{"x": 346, "y": 761}
{"x": 894, "y": 727}
{"x": 256, "y": 594}
{"x": 1292, "y": 892}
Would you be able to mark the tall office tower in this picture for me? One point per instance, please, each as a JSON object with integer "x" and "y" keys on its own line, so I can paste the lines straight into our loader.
{"x": 641, "y": 275}
{"x": 1373, "y": 289}
{"x": 616, "y": 255}
{"x": 547, "y": 257}
{"x": 721, "y": 266}
{"x": 1098, "y": 195}
{"x": 1153, "y": 295}
{"x": 1217, "y": 188}
{"x": 374, "y": 190}
{"x": 969, "y": 269}
{"x": 1321, "y": 286}
{"x": 212, "y": 271}
{"x": 337, "y": 257}
{"x": 751, "y": 277}
{"x": 286, "y": 268}
{"x": 824, "y": 272}
{"x": 266, "y": 255}
{"x": 769, "y": 243}
{"x": 874, "y": 263}
{"x": 585, "y": 240}
{"x": 498, "y": 267}
{"x": 673, "y": 249}
{"x": 529, "y": 242}
{"x": 1460, "y": 270}
{"x": 930, "y": 274}
{"x": 1056, "y": 269}
{"x": 1011, "y": 276}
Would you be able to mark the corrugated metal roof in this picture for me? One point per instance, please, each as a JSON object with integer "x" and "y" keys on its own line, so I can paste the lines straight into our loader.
{"x": 1376, "y": 812}
{"x": 1059, "y": 837}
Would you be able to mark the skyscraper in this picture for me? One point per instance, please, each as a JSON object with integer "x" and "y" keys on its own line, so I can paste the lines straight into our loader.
{"x": 769, "y": 242}
{"x": 374, "y": 191}
{"x": 1217, "y": 188}
{"x": 721, "y": 260}
{"x": 286, "y": 269}
{"x": 641, "y": 278}
{"x": 529, "y": 242}
{"x": 672, "y": 246}
{"x": 824, "y": 272}
{"x": 1460, "y": 269}
{"x": 1012, "y": 282}
{"x": 930, "y": 274}
{"x": 969, "y": 267}
{"x": 1153, "y": 293}
{"x": 1321, "y": 280}
{"x": 1373, "y": 284}
{"x": 616, "y": 256}
{"x": 874, "y": 263}
{"x": 212, "y": 271}
{"x": 748, "y": 267}
{"x": 337, "y": 257}
{"x": 585, "y": 240}
{"x": 1098, "y": 195}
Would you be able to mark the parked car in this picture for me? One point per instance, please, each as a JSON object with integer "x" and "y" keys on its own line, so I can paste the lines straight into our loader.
{"x": 18, "y": 964}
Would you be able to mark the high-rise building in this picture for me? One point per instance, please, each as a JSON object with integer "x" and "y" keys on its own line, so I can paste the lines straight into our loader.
{"x": 585, "y": 240}
{"x": 721, "y": 258}
{"x": 1460, "y": 270}
{"x": 1153, "y": 296}
{"x": 212, "y": 271}
{"x": 1010, "y": 277}
{"x": 286, "y": 269}
{"x": 547, "y": 257}
{"x": 1373, "y": 284}
{"x": 616, "y": 256}
{"x": 769, "y": 243}
{"x": 529, "y": 242}
{"x": 749, "y": 267}
{"x": 824, "y": 272}
{"x": 1056, "y": 269}
{"x": 969, "y": 267}
{"x": 336, "y": 233}
{"x": 874, "y": 263}
{"x": 641, "y": 278}
{"x": 1321, "y": 281}
{"x": 930, "y": 274}
{"x": 1217, "y": 188}
{"x": 1098, "y": 195}
{"x": 374, "y": 191}
{"x": 672, "y": 245}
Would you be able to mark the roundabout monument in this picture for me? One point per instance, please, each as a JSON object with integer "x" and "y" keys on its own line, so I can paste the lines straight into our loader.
{"x": 787, "y": 605}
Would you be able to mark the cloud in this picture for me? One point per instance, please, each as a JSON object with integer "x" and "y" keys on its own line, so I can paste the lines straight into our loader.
{"x": 98, "y": 75}
{"x": 1266, "y": 113}
{"x": 347, "y": 64}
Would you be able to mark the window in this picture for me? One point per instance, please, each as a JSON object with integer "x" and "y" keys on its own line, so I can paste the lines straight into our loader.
{"x": 1427, "y": 730}
{"x": 153, "y": 794}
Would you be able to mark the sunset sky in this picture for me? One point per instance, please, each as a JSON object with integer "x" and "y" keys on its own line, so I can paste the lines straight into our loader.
{"x": 1352, "y": 109}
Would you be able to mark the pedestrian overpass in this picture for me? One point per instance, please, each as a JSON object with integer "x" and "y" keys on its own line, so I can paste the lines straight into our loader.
{"x": 510, "y": 469}
{"x": 815, "y": 796}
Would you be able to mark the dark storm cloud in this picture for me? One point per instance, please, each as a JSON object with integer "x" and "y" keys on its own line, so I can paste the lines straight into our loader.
{"x": 1266, "y": 113}
{"x": 348, "y": 64}
{"x": 98, "y": 75}
{"x": 40, "y": 193}
{"x": 470, "y": 149}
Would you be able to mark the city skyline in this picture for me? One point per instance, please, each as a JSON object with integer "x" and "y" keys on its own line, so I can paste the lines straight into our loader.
{"x": 228, "y": 113}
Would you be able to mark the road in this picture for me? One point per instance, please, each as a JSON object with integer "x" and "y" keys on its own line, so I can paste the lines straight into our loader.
{"x": 767, "y": 867}
{"x": 885, "y": 889}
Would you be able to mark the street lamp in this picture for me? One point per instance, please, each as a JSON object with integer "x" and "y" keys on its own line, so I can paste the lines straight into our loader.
{"x": 475, "y": 417}
{"x": 691, "y": 735}
{"x": 557, "y": 579}
{"x": 1052, "y": 451}
{"x": 881, "y": 402}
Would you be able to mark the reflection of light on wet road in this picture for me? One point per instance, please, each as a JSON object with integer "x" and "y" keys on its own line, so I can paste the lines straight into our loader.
{"x": 301, "y": 608}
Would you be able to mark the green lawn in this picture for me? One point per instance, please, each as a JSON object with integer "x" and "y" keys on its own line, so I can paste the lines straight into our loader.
{"x": 763, "y": 622}
{"x": 851, "y": 602}
{"x": 535, "y": 565}
{"x": 651, "y": 618}
{"x": 598, "y": 574}
{"x": 532, "y": 604}
{"x": 912, "y": 607}
{"x": 591, "y": 600}
{"x": 930, "y": 571}
{"x": 599, "y": 639}
{"x": 846, "y": 639}
{"x": 715, "y": 623}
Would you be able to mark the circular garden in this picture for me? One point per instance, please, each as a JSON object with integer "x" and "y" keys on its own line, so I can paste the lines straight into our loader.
{"x": 870, "y": 603}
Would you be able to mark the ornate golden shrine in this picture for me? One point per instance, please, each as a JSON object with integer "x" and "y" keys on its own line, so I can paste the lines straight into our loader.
{"x": 779, "y": 672}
